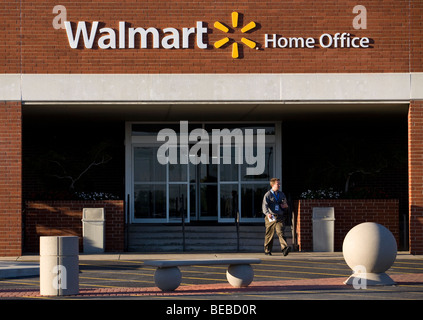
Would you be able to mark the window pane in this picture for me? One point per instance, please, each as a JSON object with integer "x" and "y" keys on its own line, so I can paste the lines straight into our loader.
{"x": 251, "y": 200}
{"x": 192, "y": 172}
{"x": 177, "y": 201}
{"x": 193, "y": 201}
{"x": 267, "y": 158}
{"x": 146, "y": 166}
{"x": 228, "y": 172}
{"x": 178, "y": 172}
{"x": 150, "y": 201}
{"x": 228, "y": 200}
{"x": 208, "y": 200}
{"x": 208, "y": 172}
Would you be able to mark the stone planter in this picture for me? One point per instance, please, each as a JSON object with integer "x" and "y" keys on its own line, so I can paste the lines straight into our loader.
{"x": 63, "y": 218}
{"x": 348, "y": 213}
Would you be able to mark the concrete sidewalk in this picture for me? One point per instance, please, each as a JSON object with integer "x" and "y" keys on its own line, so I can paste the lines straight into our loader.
{"x": 28, "y": 265}
{"x": 16, "y": 269}
{"x": 300, "y": 275}
{"x": 201, "y": 255}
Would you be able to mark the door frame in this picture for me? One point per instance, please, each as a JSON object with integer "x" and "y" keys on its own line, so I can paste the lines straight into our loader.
{"x": 133, "y": 141}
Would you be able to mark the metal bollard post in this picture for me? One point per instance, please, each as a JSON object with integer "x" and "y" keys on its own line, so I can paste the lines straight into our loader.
{"x": 59, "y": 266}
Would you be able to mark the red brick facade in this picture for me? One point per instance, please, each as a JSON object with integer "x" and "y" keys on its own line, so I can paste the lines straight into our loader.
{"x": 348, "y": 213}
{"x": 416, "y": 41}
{"x": 415, "y": 175}
{"x": 63, "y": 218}
{"x": 46, "y": 50}
{"x": 30, "y": 45}
{"x": 10, "y": 178}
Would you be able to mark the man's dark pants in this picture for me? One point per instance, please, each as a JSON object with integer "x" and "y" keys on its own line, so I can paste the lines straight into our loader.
{"x": 271, "y": 227}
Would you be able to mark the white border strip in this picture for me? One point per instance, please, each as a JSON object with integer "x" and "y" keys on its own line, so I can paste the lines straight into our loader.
{"x": 10, "y": 87}
{"x": 211, "y": 87}
{"x": 416, "y": 83}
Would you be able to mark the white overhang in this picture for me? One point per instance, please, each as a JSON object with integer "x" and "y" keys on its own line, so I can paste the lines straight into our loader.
{"x": 211, "y": 88}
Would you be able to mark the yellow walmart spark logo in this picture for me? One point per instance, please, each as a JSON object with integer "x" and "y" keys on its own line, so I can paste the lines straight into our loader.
{"x": 235, "y": 19}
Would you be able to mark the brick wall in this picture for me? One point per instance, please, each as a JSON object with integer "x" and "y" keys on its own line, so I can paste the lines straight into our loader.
{"x": 63, "y": 218}
{"x": 348, "y": 213}
{"x": 415, "y": 136}
{"x": 10, "y": 178}
{"x": 416, "y": 37}
{"x": 32, "y": 45}
{"x": 415, "y": 176}
{"x": 10, "y": 49}
{"x": 46, "y": 50}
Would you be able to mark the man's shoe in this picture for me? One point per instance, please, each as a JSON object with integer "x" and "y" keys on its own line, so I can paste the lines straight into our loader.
{"x": 286, "y": 250}
{"x": 268, "y": 253}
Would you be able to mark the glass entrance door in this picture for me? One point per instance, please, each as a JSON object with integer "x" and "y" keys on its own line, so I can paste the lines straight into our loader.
{"x": 203, "y": 191}
{"x": 219, "y": 190}
{"x": 149, "y": 185}
{"x": 161, "y": 192}
{"x": 178, "y": 189}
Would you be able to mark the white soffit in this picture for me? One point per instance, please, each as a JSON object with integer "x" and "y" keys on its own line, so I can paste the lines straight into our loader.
{"x": 10, "y": 87}
{"x": 174, "y": 88}
{"x": 416, "y": 86}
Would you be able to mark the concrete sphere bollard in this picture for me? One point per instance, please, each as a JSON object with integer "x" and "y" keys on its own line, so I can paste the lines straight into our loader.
{"x": 370, "y": 249}
{"x": 240, "y": 275}
{"x": 168, "y": 278}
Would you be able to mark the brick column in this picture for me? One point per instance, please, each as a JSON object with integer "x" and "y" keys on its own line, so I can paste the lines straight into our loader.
{"x": 10, "y": 179}
{"x": 415, "y": 176}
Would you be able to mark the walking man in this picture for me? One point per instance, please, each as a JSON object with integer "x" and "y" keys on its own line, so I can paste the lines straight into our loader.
{"x": 274, "y": 206}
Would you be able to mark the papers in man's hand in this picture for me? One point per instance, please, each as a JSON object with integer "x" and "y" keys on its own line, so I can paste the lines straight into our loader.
{"x": 271, "y": 217}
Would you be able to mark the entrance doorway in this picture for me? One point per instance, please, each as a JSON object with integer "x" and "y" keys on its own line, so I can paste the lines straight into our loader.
{"x": 208, "y": 191}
